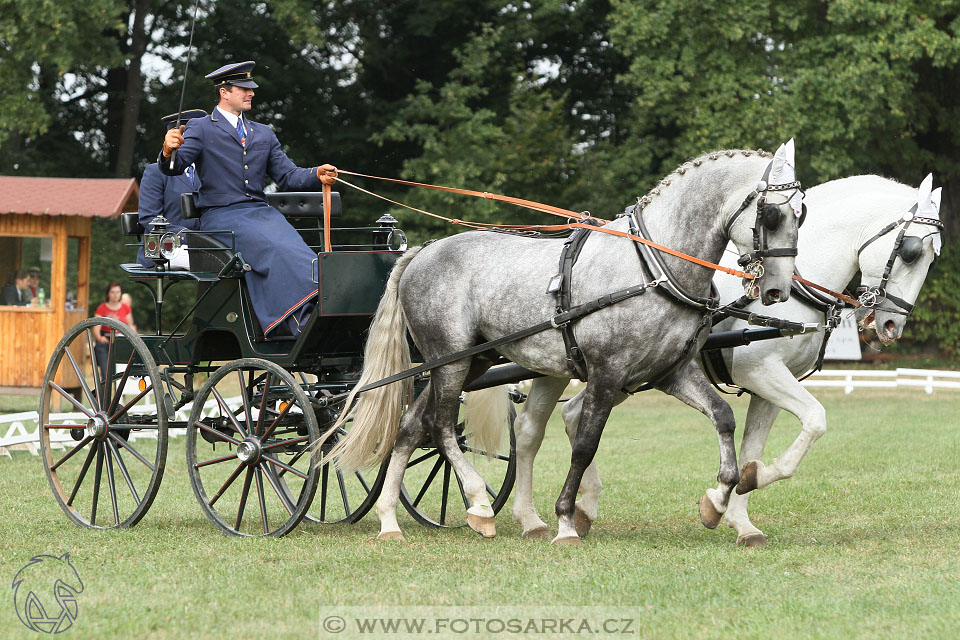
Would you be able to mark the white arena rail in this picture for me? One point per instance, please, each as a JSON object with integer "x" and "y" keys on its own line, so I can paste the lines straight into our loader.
{"x": 850, "y": 379}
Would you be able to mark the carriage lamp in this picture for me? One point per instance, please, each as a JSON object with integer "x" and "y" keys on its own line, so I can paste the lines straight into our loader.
{"x": 388, "y": 235}
{"x": 159, "y": 244}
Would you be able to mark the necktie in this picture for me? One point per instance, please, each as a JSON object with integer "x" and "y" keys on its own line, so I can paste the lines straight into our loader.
{"x": 240, "y": 133}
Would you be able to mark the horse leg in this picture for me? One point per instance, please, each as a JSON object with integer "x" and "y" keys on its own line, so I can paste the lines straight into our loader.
{"x": 779, "y": 383}
{"x": 760, "y": 417}
{"x": 588, "y": 506}
{"x": 598, "y": 400}
{"x": 409, "y": 436}
{"x": 445, "y": 385}
{"x": 528, "y": 429}
{"x": 690, "y": 386}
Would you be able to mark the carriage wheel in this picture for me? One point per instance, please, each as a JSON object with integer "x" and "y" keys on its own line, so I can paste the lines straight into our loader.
{"x": 248, "y": 449}
{"x": 104, "y": 455}
{"x": 431, "y": 491}
{"x": 344, "y": 497}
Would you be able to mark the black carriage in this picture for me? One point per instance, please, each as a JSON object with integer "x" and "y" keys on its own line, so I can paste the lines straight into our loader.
{"x": 251, "y": 422}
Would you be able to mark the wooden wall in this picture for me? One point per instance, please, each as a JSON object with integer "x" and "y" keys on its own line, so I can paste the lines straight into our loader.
{"x": 28, "y": 335}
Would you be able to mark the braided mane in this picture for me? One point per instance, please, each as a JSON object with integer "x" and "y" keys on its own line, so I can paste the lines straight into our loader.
{"x": 696, "y": 162}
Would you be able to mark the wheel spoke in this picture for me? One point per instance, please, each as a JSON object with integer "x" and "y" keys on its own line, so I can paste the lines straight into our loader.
{"x": 363, "y": 483}
{"x": 276, "y": 487}
{"x": 283, "y": 412}
{"x": 96, "y": 485}
{"x": 219, "y": 434}
{"x": 463, "y": 494}
{"x": 262, "y": 499}
{"x": 429, "y": 454}
{"x": 280, "y": 443}
{"x": 226, "y": 485}
{"x": 121, "y": 385}
{"x": 263, "y": 402}
{"x": 129, "y": 404}
{"x": 426, "y": 483}
{"x": 226, "y": 409}
{"x": 293, "y": 460}
{"x": 443, "y": 498}
{"x": 284, "y": 466}
{"x": 244, "y": 387}
{"x": 112, "y": 485}
{"x": 83, "y": 381}
{"x": 71, "y": 399}
{"x": 126, "y": 445}
{"x": 94, "y": 366}
{"x": 490, "y": 490}
{"x": 232, "y": 456}
{"x": 496, "y": 456}
{"x": 79, "y": 446}
{"x": 343, "y": 492}
{"x": 325, "y": 473}
{"x": 83, "y": 473}
{"x": 243, "y": 494}
{"x": 123, "y": 470}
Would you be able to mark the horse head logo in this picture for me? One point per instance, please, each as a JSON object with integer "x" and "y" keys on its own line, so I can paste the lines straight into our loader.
{"x": 45, "y": 593}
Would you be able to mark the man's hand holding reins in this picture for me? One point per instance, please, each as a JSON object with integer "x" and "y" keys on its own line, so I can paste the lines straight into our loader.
{"x": 327, "y": 174}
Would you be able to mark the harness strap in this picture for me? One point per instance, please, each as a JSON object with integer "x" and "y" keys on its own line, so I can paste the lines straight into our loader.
{"x": 555, "y": 322}
{"x": 561, "y": 285}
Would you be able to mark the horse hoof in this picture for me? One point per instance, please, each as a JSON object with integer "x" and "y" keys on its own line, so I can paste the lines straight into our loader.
{"x": 752, "y": 540}
{"x": 748, "y": 478}
{"x": 570, "y": 541}
{"x": 709, "y": 515}
{"x": 581, "y": 522}
{"x": 391, "y": 535}
{"x": 482, "y": 524}
{"x": 540, "y": 533}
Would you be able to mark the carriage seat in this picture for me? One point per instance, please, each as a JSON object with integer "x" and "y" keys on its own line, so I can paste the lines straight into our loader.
{"x": 292, "y": 204}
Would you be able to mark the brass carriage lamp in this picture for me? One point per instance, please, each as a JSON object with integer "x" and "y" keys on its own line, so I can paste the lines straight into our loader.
{"x": 388, "y": 235}
{"x": 160, "y": 245}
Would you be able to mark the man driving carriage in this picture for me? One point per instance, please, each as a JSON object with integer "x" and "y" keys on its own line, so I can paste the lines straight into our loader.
{"x": 233, "y": 156}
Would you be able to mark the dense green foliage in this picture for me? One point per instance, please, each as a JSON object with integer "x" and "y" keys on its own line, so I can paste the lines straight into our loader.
{"x": 583, "y": 104}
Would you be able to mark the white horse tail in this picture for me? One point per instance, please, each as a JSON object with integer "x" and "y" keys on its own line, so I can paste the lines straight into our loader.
{"x": 486, "y": 412}
{"x": 376, "y": 416}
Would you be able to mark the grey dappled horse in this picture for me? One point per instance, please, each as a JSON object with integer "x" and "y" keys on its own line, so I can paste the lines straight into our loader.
{"x": 853, "y": 224}
{"x": 478, "y": 286}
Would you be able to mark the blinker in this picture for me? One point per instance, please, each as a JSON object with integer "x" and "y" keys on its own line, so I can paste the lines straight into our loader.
{"x": 771, "y": 217}
{"x": 910, "y": 249}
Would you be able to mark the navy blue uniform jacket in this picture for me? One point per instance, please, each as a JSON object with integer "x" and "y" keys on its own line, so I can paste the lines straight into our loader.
{"x": 231, "y": 197}
{"x": 160, "y": 194}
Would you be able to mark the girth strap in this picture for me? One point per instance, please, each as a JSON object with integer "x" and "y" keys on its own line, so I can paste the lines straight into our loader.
{"x": 561, "y": 285}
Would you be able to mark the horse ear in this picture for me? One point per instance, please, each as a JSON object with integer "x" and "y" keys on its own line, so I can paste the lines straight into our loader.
{"x": 789, "y": 149}
{"x": 935, "y": 201}
{"x": 65, "y": 557}
{"x": 923, "y": 195}
{"x": 781, "y": 169}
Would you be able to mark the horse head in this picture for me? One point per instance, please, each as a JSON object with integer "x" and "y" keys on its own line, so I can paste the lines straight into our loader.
{"x": 894, "y": 263}
{"x": 766, "y": 235}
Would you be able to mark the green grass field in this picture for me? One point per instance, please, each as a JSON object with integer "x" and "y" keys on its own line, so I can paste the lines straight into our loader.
{"x": 863, "y": 542}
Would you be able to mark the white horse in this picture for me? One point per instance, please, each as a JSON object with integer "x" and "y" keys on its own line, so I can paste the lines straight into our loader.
{"x": 887, "y": 230}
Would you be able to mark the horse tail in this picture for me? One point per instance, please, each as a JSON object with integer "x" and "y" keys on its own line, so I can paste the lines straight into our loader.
{"x": 486, "y": 412}
{"x": 376, "y": 416}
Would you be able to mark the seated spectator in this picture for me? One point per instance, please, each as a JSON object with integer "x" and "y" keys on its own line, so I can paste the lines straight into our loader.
{"x": 112, "y": 307}
{"x": 17, "y": 292}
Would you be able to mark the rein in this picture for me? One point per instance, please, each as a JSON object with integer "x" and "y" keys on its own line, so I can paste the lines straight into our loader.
{"x": 557, "y": 211}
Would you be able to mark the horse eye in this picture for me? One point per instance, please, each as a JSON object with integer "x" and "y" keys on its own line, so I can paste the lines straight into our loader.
{"x": 771, "y": 217}
{"x": 910, "y": 249}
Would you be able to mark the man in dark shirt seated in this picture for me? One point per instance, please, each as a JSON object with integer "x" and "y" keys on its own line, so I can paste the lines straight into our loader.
{"x": 17, "y": 293}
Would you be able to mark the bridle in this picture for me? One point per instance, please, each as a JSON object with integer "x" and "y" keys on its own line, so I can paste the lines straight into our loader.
{"x": 908, "y": 248}
{"x": 769, "y": 218}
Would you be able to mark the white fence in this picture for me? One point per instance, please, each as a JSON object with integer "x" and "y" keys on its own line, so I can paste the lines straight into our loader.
{"x": 22, "y": 430}
{"x": 848, "y": 380}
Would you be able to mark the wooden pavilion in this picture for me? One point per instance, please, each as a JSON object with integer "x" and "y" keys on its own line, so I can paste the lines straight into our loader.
{"x": 45, "y": 226}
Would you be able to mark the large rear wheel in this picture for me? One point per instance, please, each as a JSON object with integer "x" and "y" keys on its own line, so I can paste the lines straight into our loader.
{"x": 104, "y": 455}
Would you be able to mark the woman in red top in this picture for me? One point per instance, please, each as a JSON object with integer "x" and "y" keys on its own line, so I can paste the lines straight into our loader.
{"x": 112, "y": 307}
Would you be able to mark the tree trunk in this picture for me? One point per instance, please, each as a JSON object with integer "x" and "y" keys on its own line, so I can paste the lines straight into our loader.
{"x": 133, "y": 94}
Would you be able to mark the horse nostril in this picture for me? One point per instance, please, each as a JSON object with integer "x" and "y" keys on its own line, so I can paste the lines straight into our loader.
{"x": 890, "y": 326}
{"x": 773, "y": 295}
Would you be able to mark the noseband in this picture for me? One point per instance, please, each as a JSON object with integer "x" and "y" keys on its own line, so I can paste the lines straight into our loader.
{"x": 909, "y": 249}
{"x": 769, "y": 218}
